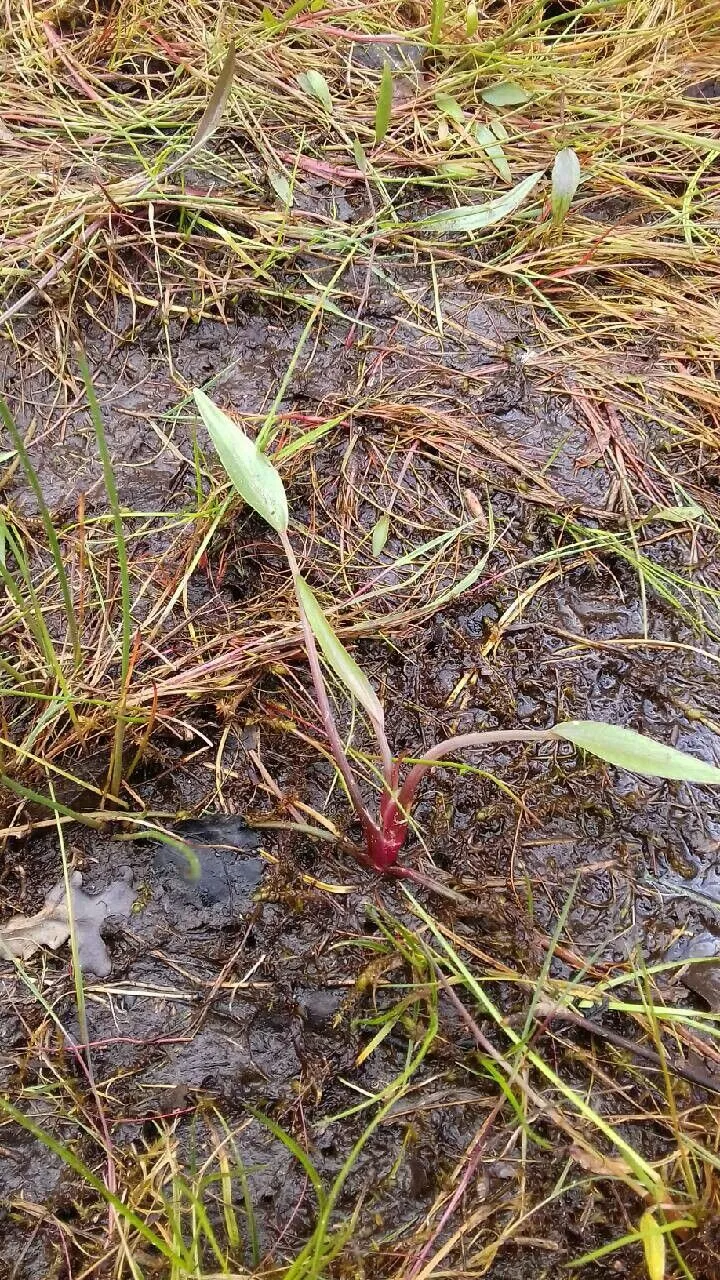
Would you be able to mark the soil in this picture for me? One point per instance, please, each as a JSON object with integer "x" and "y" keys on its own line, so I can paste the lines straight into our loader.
{"x": 236, "y": 985}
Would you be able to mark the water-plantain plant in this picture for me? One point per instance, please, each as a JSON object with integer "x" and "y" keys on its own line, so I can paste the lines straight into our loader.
{"x": 259, "y": 483}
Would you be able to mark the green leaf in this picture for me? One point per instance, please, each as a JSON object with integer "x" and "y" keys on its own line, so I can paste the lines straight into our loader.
{"x": 280, "y": 186}
{"x": 337, "y": 656}
{"x": 493, "y": 150}
{"x": 471, "y": 20}
{"x": 475, "y": 217}
{"x": 499, "y": 129}
{"x": 449, "y": 107}
{"x": 653, "y": 1240}
{"x": 505, "y": 94}
{"x": 565, "y": 181}
{"x": 359, "y": 154}
{"x": 383, "y": 110}
{"x": 216, "y": 105}
{"x": 678, "y": 515}
{"x": 252, "y": 474}
{"x": 633, "y": 751}
{"x": 459, "y": 170}
{"x": 380, "y": 535}
{"x": 314, "y": 82}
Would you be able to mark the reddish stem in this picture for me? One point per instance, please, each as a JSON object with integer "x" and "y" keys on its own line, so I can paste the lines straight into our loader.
{"x": 395, "y": 810}
{"x": 373, "y": 834}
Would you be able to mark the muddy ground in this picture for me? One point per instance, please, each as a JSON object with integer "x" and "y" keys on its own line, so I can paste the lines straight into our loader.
{"x": 238, "y": 988}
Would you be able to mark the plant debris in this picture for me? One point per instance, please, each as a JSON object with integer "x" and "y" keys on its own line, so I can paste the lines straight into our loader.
{"x": 50, "y": 927}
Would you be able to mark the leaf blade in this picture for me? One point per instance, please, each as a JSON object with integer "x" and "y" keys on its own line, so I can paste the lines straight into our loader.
{"x": 653, "y": 1240}
{"x": 217, "y": 102}
{"x": 477, "y": 217}
{"x": 380, "y": 533}
{"x": 252, "y": 474}
{"x": 336, "y": 655}
{"x": 383, "y": 110}
{"x": 314, "y": 83}
{"x": 505, "y": 94}
{"x": 487, "y": 139}
{"x": 565, "y": 180}
{"x": 633, "y": 751}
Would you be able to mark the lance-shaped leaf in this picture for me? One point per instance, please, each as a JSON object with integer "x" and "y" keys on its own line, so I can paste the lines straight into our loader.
{"x": 478, "y": 216}
{"x": 565, "y": 181}
{"x": 252, "y": 474}
{"x": 505, "y": 94}
{"x": 488, "y": 140}
{"x": 314, "y": 82}
{"x": 383, "y": 111}
{"x": 653, "y": 1240}
{"x": 213, "y": 112}
{"x": 634, "y": 752}
{"x": 380, "y": 535}
{"x": 337, "y": 656}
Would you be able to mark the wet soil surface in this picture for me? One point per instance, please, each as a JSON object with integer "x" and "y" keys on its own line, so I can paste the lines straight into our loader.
{"x": 237, "y": 980}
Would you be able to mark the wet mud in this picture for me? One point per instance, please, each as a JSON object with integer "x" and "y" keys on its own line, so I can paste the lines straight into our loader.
{"x": 239, "y": 982}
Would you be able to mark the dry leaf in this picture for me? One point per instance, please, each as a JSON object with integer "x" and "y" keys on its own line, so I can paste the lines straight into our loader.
{"x": 22, "y": 936}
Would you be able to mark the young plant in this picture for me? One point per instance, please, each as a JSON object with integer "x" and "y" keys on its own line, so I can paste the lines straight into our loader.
{"x": 258, "y": 482}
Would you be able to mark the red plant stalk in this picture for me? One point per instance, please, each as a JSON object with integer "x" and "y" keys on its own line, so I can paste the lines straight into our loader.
{"x": 385, "y": 839}
{"x": 373, "y": 834}
{"x": 395, "y": 806}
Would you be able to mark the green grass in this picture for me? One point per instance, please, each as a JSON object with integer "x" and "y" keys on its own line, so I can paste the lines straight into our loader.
{"x": 545, "y": 1099}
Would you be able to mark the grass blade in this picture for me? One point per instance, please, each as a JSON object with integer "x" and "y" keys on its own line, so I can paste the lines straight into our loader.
{"x": 49, "y": 527}
{"x": 383, "y": 110}
{"x": 71, "y": 1160}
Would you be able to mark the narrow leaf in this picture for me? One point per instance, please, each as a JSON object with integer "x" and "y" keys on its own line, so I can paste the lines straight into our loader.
{"x": 475, "y": 217}
{"x": 653, "y": 1240}
{"x": 314, "y": 82}
{"x": 383, "y": 110}
{"x": 505, "y": 94}
{"x": 218, "y": 101}
{"x": 493, "y": 150}
{"x": 634, "y": 752}
{"x": 359, "y": 154}
{"x": 459, "y": 170}
{"x": 252, "y": 474}
{"x": 280, "y": 186}
{"x": 449, "y": 107}
{"x": 678, "y": 515}
{"x": 380, "y": 535}
{"x": 565, "y": 180}
{"x": 337, "y": 656}
{"x": 499, "y": 129}
{"x": 471, "y": 20}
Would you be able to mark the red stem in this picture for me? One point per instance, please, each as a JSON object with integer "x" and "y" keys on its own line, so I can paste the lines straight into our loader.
{"x": 444, "y": 749}
{"x": 372, "y": 831}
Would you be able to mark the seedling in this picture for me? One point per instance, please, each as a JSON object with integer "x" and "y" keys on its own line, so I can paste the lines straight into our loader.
{"x": 259, "y": 483}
